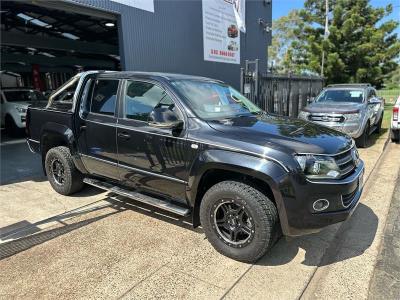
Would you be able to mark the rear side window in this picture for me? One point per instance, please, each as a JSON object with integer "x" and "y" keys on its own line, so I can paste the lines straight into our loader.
{"x": 104, "y": 97}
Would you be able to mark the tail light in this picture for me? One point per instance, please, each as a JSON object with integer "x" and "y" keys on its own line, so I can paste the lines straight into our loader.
{"x": 395, "y": 113}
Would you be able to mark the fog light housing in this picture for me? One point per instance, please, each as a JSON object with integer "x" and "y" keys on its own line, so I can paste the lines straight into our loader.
{"x": 320, "y": 204}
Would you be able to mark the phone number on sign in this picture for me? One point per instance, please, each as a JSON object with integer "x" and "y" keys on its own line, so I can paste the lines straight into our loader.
{"x": 222, "y": 53}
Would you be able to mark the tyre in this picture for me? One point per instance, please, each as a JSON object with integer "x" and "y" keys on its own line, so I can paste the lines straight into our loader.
{"x": 10, "y": 127}
{"x": 379, "y": 126}
{"x": 239, "y": 221}
{"x": 61, "y": 171}
{"x": 362, "y": 141}
{"x": 395, "y": 136}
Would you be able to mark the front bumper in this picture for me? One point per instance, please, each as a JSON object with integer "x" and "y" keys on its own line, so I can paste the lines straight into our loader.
{"x": 343, "y": 196}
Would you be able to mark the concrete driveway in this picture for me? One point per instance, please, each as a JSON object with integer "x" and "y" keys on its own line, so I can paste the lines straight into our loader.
{"x": 98, "y": 245}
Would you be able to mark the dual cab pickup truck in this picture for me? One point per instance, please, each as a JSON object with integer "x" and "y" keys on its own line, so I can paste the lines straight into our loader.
{"x": 354, "y": 109}
{"x": 195, "y": 146}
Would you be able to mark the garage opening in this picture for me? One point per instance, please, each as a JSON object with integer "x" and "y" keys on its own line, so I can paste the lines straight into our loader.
{"x": 47, "y": 42}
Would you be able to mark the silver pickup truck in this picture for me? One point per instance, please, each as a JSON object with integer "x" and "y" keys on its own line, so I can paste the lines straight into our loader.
{"x": 354, "y": 109}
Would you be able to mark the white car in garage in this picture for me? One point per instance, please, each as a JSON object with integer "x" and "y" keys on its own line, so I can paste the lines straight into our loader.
{"x": 14, "y": 103}
{"x": 395, "y": 124}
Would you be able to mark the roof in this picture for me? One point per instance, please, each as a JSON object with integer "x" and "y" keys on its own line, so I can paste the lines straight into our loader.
{"x": 350, "y": 85}
{"x": 155, "y": 75}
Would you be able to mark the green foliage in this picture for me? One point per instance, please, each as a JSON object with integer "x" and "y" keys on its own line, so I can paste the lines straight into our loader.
{"x": 392, "y": 80}
{"x": 359, "y": 48}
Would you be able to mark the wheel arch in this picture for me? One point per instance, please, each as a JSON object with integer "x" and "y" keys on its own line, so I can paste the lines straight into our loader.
{"x": 54, "y": 135}
{"x": 217, "y": 165}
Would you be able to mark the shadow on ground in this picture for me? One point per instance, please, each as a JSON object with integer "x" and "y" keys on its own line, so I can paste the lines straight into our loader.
{"x": 26, "y": 235}
{"x": 321, "y": 250}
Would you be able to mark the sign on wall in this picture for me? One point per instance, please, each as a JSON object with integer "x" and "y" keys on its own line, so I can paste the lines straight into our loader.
{"x": 147, "y": 5}
{"x": 221, "y": 34}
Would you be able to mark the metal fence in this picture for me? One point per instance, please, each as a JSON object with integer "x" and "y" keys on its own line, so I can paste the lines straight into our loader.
{"x": 278, "y": 94}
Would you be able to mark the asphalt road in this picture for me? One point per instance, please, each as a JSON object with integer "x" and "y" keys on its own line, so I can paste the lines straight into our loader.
{"x": 96, "y": 245}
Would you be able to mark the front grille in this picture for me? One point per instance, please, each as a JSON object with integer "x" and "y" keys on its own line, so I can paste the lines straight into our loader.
{"x": 346, "y": 162}
{"x": 326, "y": 118}
{"x": 348, "y": 198}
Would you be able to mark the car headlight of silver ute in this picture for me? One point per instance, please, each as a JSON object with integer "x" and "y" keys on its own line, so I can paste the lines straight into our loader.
{"x": 318, "y": 166}
{"x": 20, "y": 109}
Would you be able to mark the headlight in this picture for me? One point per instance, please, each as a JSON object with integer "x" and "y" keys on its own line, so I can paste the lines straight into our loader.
{"x": 318, "y": 166}
{"x": 353, "y": 117}
{"x": 303, "y": 115}
{"x": 21, "y": 110}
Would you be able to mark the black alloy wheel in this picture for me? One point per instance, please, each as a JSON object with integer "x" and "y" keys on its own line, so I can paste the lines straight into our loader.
{"x": 58, "y": 170}
{"x": 233, "y": 223}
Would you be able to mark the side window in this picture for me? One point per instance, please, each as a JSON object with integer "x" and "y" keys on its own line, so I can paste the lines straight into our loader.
{"x": 104, "y": 97}
{"x": 141, "y": 98}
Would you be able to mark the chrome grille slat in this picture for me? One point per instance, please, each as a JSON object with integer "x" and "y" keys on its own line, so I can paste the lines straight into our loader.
{"x": 348, "y": 198}
{"x": 345, "y": 162}
{"x": 326, "y": 118}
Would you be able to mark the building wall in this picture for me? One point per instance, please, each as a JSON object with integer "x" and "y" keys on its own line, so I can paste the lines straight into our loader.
{"x": 171, "y": 38}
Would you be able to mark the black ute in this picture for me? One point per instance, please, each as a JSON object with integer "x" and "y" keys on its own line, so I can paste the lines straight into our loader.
{"x": 195, "y": 146}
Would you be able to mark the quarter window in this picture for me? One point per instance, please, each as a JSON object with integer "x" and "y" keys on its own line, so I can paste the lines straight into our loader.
{"x": 142, "y": 97}
{"x": 104, "y": 97}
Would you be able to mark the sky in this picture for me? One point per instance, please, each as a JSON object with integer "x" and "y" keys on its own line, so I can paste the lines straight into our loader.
{"x": 282, "y": 7}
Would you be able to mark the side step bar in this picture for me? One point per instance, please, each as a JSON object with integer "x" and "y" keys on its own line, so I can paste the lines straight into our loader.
{"x": 165, "y": 205}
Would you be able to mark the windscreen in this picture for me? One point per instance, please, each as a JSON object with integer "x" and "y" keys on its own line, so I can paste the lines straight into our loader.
{"x": 213, "y": 100}
{"x": 344, "y": 95}
{"x": 24, "y": 96}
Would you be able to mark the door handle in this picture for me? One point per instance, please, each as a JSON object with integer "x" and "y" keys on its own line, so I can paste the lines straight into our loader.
{"x": 82, "y": 128}
{"x": 124, "y": 135}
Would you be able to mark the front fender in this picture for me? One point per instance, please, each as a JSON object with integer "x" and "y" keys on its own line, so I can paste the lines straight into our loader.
{"x": 265, "y": 170}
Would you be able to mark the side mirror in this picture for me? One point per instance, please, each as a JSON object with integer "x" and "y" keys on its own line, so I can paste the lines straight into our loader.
{"x": 164, "y": 117}
{"x": 310, "y": 100}
{"x": 374, "y": 101}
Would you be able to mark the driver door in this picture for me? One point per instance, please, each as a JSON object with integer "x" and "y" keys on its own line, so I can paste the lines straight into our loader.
{"x": 151, "y": 158}
{"x": 374, "y": 104}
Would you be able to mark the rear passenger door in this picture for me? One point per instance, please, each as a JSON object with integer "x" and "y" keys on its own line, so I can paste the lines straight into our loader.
{"x": 97, "y": 127}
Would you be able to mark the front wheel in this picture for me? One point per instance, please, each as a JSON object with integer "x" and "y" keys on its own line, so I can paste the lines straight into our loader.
{"x": 362, "y": 141}
{"x": 11, "y": 128}
{"x": 239, "y": 221}
{"x": 63, "y": 176}
{"x": 379, "y": 126}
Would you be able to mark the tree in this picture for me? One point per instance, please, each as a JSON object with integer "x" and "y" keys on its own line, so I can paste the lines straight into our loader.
{"x": 285, "y": 43}
{"x": 393, "y": 79}
{"x": 359, "y": 48}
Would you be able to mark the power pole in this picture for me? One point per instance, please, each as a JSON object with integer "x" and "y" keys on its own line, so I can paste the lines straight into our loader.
{"x": 326, "y": 33}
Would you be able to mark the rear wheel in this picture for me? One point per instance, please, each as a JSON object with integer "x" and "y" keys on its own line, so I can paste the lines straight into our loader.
{"x": 395, "y": 136}
{"x": 61, "y": 171}
{"x": 239, "y": 221}
{"x": 362, "y": 141}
